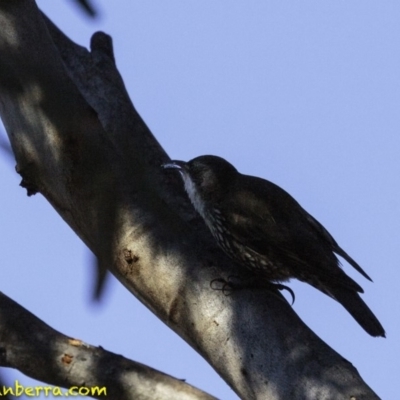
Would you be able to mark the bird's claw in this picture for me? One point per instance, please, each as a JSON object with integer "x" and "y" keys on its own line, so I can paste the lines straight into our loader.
{"x": 281, "y": 287}
{"x": 226, "y": 287}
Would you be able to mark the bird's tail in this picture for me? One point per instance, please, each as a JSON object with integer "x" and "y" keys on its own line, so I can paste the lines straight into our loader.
{"x": 353, "y": 303}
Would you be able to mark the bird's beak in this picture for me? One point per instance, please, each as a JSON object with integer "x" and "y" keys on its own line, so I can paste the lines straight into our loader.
{"x": 174, "y": 164}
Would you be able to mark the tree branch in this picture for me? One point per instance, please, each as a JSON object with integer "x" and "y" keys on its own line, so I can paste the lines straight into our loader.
{"x": 79, "y": 141}
{"x": 39, "y": 351}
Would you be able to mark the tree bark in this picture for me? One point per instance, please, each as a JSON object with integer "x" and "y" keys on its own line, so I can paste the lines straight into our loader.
{"x": 39, "y": 351}
{"x": 79, "y": 141}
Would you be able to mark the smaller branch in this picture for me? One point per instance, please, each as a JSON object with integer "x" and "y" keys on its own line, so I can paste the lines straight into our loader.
{"x": 39, "y": 351}
{"x": 87, "y": 7}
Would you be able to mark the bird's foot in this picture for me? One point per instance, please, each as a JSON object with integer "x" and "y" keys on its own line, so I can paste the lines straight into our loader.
{"x": 232, "y": 283}
{"x": 226, "y": 286}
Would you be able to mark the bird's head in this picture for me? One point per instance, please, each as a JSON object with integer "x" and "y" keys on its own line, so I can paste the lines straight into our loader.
{"x": 206, "y": 178}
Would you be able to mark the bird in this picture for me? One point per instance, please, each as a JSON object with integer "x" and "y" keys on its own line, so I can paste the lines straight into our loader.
{"x": 264, "y": 229}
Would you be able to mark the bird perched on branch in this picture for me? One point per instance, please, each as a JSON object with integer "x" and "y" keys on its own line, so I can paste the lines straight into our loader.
{"x": 262, "y": 227}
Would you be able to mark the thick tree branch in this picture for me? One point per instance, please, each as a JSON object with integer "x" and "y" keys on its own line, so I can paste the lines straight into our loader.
{"x": 79, "y": 141}
{"x": 37, "y": 350}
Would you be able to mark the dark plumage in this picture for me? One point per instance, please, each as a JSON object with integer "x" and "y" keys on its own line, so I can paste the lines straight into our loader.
{"x": 262, "y": 227}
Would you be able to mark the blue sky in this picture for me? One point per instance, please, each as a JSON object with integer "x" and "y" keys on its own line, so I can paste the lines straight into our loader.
{"x": 305, "y": 94}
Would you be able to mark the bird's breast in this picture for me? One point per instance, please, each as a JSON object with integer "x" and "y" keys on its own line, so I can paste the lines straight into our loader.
{"x": 264, "y": 264}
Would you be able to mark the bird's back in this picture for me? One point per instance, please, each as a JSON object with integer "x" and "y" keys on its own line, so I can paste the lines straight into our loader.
{"x": 271, "y": 225}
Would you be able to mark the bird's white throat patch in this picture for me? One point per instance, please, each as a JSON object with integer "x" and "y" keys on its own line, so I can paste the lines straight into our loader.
{"x": 194, "y": 195}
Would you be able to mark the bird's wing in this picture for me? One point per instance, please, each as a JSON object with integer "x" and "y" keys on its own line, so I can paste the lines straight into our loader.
{"x": 270, "y": 222}
{"x": 335, "y": 247}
